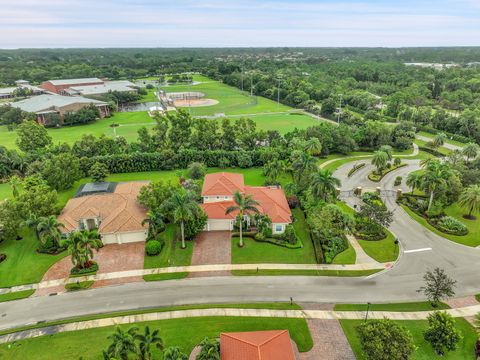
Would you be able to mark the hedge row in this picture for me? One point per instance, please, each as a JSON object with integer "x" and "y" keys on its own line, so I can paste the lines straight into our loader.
{"x": 431, "y": 151}
{"x": 456, "y": 137}
{"x": 168, "y": 160}
{"x": 275, "y": 240}
{"x": 355, "y": 168}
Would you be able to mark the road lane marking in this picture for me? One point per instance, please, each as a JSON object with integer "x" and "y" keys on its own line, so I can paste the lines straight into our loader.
{"x": 417, "y": 250}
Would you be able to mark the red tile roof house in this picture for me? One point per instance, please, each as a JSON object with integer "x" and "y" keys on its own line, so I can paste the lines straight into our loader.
{"x": 256, "y": 345}
{"x": 217, "y": 194}
{"x": 111, "y": 208}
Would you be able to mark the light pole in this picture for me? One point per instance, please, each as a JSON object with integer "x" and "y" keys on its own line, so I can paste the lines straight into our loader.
{"x": 368, "y": 308}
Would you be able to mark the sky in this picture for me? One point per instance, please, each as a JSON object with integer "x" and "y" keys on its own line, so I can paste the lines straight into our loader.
{"x": 238, "y": 23}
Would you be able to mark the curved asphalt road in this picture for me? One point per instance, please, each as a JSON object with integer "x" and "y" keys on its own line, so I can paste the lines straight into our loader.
{"x": 398, "y": 284}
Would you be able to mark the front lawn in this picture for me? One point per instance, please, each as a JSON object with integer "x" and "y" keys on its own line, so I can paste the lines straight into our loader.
{"x": 185, "y": 333}
{"x": 442, "y": 150}
{"x": 382, "y": 250}
{"x": 169, "y": 256}
{"x": 403, "y": 307}
{"x": 23, "y": 264}
{"x": 254, "y": 252}
{"x": 346, "y": 257}
{"x": 416, "y": 328}
{"x": 16, "y": 295}
{"x": 471, "y": 239}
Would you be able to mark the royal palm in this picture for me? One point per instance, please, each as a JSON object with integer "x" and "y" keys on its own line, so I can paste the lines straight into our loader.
{"x": 243, "y": 204}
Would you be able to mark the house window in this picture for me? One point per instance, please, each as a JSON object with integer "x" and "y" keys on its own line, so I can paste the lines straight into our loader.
{"x": 91, "y": 224}
{"x": 226, "y": 197}
{"x": 278, "y": 228}
{"x": 218, "y": 197}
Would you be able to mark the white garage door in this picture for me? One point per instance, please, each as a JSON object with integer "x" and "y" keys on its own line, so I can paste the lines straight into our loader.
{"x": 218, "y": 225}
{"x": 123, "y": 238}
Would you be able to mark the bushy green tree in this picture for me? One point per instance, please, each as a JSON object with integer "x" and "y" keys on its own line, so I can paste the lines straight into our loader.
{"x": 98, "y": 172}
{"x": 438, "y": 286}
{"x": 442, "y": 333}
{"x": 196, "y": 170}
{"x": 32, "y": 136}
{"x": 384, "y": 339}
{"x": 61, "y": 171}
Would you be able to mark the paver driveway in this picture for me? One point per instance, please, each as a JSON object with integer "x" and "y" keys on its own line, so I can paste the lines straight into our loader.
{"x": 110, "y": 258}
{"x": 212, "y": 247}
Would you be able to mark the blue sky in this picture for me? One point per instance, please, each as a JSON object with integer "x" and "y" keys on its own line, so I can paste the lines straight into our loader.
{"x": 217, "y": 23}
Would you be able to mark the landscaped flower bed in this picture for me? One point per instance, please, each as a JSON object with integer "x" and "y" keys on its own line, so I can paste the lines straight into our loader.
{"x": 377, "y": 177}
{"x": 91, "y": 270}
{"x": 355, "y": 169}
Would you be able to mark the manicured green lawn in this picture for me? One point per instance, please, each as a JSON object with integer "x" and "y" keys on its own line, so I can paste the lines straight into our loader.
{"x": 185, "y": 333}
{"x": 403, "y": 307}
{"x": 16, "y": 295}
{"x": 283, "y": 123}
{"x": 448, "y": 141}
{"x": 336, "y": 273}
{"x": 23, "y": 264}
{"x": 169, "y": 256}
{"x": 416, "y": 328}
{"x": 150, "y": 97}
{"x": 442, "y": 150}
{"x": 231, "y": 101}
{"x": 254, "y": 252}
{"x": 471, "y": 239}
{"x": 346, "y": 257}
{"x": 383, "y": 250}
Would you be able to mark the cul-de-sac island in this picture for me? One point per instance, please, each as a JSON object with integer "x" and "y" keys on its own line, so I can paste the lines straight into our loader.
{"x": 259, "y": 203}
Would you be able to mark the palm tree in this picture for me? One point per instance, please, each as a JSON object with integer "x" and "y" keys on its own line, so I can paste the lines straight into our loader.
{"x": 182, "y": 207}
{"x": 80, "y": 245}
{"x": 210, "y": 350}
{"x": 155, "y": 224}
{"x": 313, "y": 146}
{"x": 438, "y": 140}
{"x": 323, "y": 183}
{"x": 174, "y": 353}
{"x": 387, "y": 149}
{"x": 32, "y": 223}
{"x": 273, "y": 169}
{"x": 146, "y": 341}
{"x": 50, "y": 227}
{"x": 379, "y": 160}
{"x": 303, "y": 164}
{"x": 15, "y": 183}
{"x": 436, "y": 174}
{"x": 414, "y": 180}
{"x": 244, "y": 204}
{"x": 123, "y": 343}
{"x": 470, "y": 151}
{"x": 470, "y": 200}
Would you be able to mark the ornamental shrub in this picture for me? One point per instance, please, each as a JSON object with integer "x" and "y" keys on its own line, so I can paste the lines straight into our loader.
{"x": 451, "y": 225}
{"x": 289, "y": 235}
{"x": 153, "y": 247}
{"x": 3, "y": 257}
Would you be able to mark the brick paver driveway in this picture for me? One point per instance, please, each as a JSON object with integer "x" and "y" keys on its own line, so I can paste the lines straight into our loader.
{"x": 212, "y": 247}
{"x": 110, "y": 258}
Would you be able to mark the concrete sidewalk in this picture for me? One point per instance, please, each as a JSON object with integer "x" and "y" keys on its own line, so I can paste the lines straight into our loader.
{"x": 303, "y": 314}
{"x": 195, "y": 268}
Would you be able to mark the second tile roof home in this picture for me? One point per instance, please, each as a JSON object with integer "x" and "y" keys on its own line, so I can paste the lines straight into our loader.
{"x": 111, "y": 208}
{"x": 217, "y": 194}
{"x": 256, "y": 345}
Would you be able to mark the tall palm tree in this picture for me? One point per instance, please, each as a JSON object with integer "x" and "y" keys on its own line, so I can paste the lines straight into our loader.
{"x": 470, "y": 151}
{"x": 436, "y": 175}
{"x": 414, "y": 180}
{"x": 273, "y": 169}
{"x": 438, "y": 140}
{"x": 243, "y": 204}
{"x": 379, "y": 160}
{"x": 182, "y": 207}
{"x": 470, "y": 199}
{"x": 303, "y": 164}
{"x": 80, "y": 245}
{"x": 155, "y": 222}
{"x": 50, "y": 227}
{"x": 174, "y": 353}
{"x": 123, "y": 343}
{"x": 323, "y": 183}
{"x": 387, "y": 149}
{"x": 313, "y": 146}
{"x": 32, "y": 223}
{"x": 146, "y": 341}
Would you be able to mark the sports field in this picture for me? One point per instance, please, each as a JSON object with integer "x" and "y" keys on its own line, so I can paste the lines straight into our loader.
{"x": 232, "y": 102}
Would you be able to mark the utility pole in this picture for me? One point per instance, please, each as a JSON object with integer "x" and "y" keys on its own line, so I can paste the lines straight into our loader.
{"x": 339, "y": 109}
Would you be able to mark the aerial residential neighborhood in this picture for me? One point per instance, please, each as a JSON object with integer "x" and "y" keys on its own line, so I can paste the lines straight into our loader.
{"x": 241, "y": 180}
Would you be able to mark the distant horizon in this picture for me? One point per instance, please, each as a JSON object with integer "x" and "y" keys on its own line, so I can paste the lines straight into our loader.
{"x": 67, "y": 24}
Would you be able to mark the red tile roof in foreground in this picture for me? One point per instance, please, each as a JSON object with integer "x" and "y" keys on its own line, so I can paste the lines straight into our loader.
{"x": 118, "y": 211}
{"x": 256, "y": 345}
{"x": 272, "y": 200}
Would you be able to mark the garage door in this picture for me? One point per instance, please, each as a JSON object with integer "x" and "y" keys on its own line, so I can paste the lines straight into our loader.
{"x": 123, "y": 238}
{"x": 218, "y": 225}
